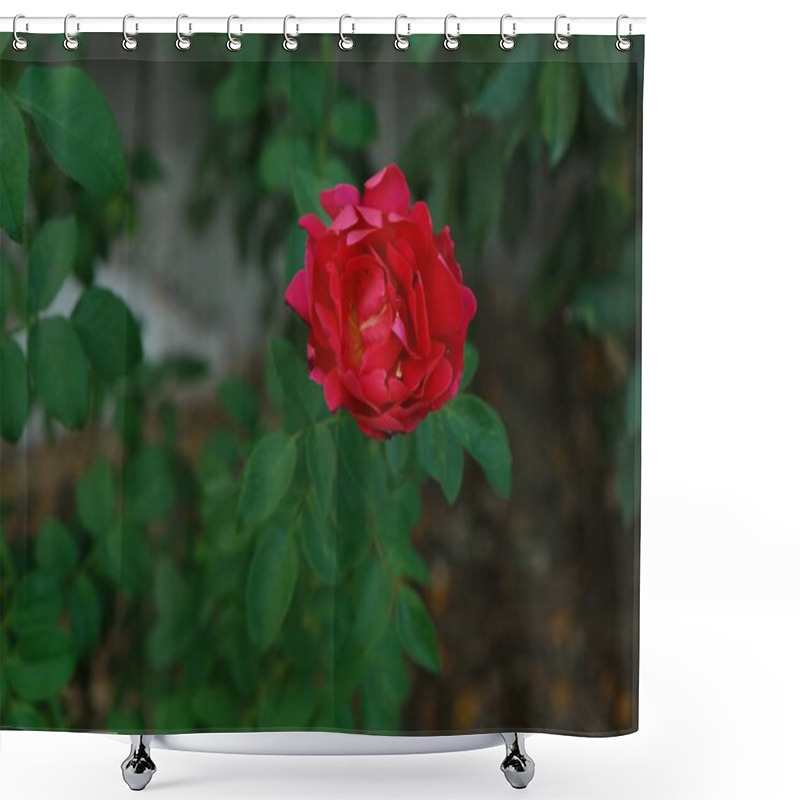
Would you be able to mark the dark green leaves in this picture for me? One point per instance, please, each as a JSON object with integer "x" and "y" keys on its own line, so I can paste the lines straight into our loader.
{"x": 75, "y": 123}
{"x": 59, "y": 370}
{"x": 508, "y": 86}
{"x": 440, "y": 453}
{"x": 270, "y": 586}
{"x": 559, "y": 105}
{"x": 318, "y": 539}
{"x": 481, "y": 431}
{"x": 299, "y": 398}
{"x": 605, "y": 73}
{"x": 108, "y": 332}
{"x": 51, "y": 258}
{"x": 240, "y": 401}
{"x": 13, "y": 168}
{"x": 14, "y": 394}
{"x": 416, "y": 631}
{"x": 239, "y": 96}
{"x": 353, "y": 123}
{"x": 85, "y": 614}
{"x": 321, "y": 464}
{"x": 149, "y": 484}
{"x": 56, "y": 550}
{"x": 279, "y": 158}
{"x": 267, "y": 477}
{"x": 375, "y": 596}
{"x": 95, "y": 498}
{"x": 42, "y": 663}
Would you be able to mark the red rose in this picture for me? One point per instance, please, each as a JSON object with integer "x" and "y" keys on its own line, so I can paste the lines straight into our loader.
{"x": 386, "y": 309}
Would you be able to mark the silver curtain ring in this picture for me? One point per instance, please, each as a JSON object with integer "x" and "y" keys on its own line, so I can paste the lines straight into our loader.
{"x": 451, "y": 42}
{"x": 507, "y": 42}
{"x": 561, "y": 42}
{"x": 401, "y": 42}
{"x": 128, "y": 42}
{"x": 289, "y": 43}
{"x": 70, "y": 42}
{"x": 623, "y": 44}
{"x": 181, "y": 42}
{"x": 19, "y": 43}
{"x": 234, "y": 43}
{"x": 346, "y": 42}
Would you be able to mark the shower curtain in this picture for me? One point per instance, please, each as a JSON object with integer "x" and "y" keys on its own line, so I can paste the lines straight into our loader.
{"x": 320, "y": 385}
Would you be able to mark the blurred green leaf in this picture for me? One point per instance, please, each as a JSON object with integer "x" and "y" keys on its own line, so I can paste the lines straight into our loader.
{"x": 52, "y": 256}
{"x": 95, "y": 498}
{"x": 280, "y": 159}
{"x": 172, "y": 628}
{"x": 42, "y": 663}
{"x": 318, "y": 538}
{"x": 59, "y": 371}
{"x": 215, "y": 706}
{"x": 14, "y": 397}
{"x": 88, "y": 149}
{"x": 85, "y": 614}
{"x": 440, "y": 454}
{"x": 145, "y": 167}
{"x": 267, "y": 477}
{"x": 481, "y": 431}
{"x": 108, "y": 332}
{"x": 14, "y": 168}
{"x": 149, "y": 484}
{"x": 559, "y": 105}
{"x": 270, "y": 585}
{"x": 124, "y": 557}
{"x": 375, "y": 598}
{"x": 240, "y": 401}
{"x": 416, "y": 630}
{"x": 289, "y": 706}
{"x": 604, "y": 308}
{"x": 7, "y": 282}
{"x": 56, "y": 550}
{"x": 240, "y": 95}
{"x": 471, "y": 360}
{"x": 605, "y": 73}
{"x": 36, "y": 601}
{"x": 321, "y": 464}
{"x": 24, "y": 716}
{"x": 398, "y": 451}
{"x": 310, "y": 89}
{"x": 299, "y": 397}
{"x": 509, "y": 86}
{"x": 353, "y": 123}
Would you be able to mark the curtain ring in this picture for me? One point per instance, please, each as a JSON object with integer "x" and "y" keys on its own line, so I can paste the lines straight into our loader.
{"x": 346, "y": 42}
{"x": 401, "y": 42}
{"x": 288, "y": 42}
{"x": 234, "y": 43}
{"x": 182, "y": 43}
{"x": 507, "y": 42}
{"x": 623, "y": 44}
{"x": 70, "y": 42}
{"x": 128, "y": 42}
{"x": 19, "y": 42}
{"x": 451, "y": 42}
{"x": 561, "y": 42}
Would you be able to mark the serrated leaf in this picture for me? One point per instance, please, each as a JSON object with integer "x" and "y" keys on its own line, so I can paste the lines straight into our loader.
{"x": 59, "y": 371}
{"x": 321, "y": 465}
{"x": 51, "y": 259}
{"x": 270, "y": 585}
{"x": 480, "y": 429}
{"x": 14, "y": 393}
{"x": 416, "y": 630}
{"x": 267, "y": 477}
{"x": 76, "y": 125}
{"x": 108, "y": 332}
{"x": 14, "y": 168}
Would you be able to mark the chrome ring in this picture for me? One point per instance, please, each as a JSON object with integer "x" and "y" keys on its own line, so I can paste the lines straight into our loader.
{"x": 19, "y": 42}
{"x": 70, "y": 42}
{"x": 507, "y": 42}
{"x": 561, "y": 42}
{"x": 451, "y": 42}
{"x": 623, "y": 44}
{"x": 346, "y": 42}
{"x": 289, "y": 43}
{"x": 401, "y": 42}
{"x": 181, "y": 42}
{"x": 234, "y": 44}
{"x": 128, "y": 42}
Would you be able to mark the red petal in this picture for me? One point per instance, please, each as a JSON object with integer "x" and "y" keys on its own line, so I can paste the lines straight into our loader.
{"x": 342, "y": 195}
{"x": 297, "y": 296}
{"x": 345, "y": 219}
{"x": 388, "y": 191}
{"x": 334, "y": 395}
{"x": 313, "y": 225}
{"x": 443, "y": 298}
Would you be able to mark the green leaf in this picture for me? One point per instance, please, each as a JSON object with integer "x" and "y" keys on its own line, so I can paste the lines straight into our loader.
{"x": 23, "y": 715}
{"x": 267, "y": 477}
{"x": 270, "y": 585}
{"x": 175, "y": 613}
{"x": 471, "y": 361}
{"x": 398, "y": 450}
{"x": 14, "y": 393}
{"x": 416, "y": 630}
{"x": 559, "y": 105}
{"x": 85, "y": 614}
{"x": 321, "y": 464}
{"x": 300, "y": 398}
{"x": 42, "y": 664}
{"x": 108, "y": 332}
{"x": 375, "y": 598}
{"x": 318, "y": 538}
{"x": 14, "y": 168}
{"x": 353, "y": 123}
{"x": 309, "y": 90}
{"x": 56, "y": 550}
{"x": 480, "y": 429}
{"x": 6, "y": 287}
{"x": 59, "y": 371}
{"x": 508, "y": 87}
{"x": 95, "y": 498}
{"x": 240, "y": 95}
{"x": 36, "y": 601}
{"x": 280, "y": 157}
{"x": 240, "y": 401}
{"x": 605, "y": 73}
{"x": 289, "y": 706}
{"x": 51, "y": 259}
{"x": 215, "y": 706}
{"x": 76, "y": 124}
{"x": 606, "y": 308}
{"x": 149, "y": 484}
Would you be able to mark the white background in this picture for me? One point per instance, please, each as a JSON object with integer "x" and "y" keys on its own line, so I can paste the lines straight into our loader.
{"x": 720, "y": 695}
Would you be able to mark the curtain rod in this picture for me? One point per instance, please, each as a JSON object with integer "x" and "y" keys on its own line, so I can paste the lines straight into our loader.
{"x": 406, "y": 26}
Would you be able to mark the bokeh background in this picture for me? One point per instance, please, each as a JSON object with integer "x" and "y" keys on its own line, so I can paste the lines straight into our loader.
{"x": 534, "y": 159}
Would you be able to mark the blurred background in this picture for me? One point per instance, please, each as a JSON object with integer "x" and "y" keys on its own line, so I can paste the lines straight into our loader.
{"x": 533, "y": 158}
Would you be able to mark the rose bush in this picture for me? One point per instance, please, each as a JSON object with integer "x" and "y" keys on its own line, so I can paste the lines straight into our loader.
{"x": 385, "y": 305}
